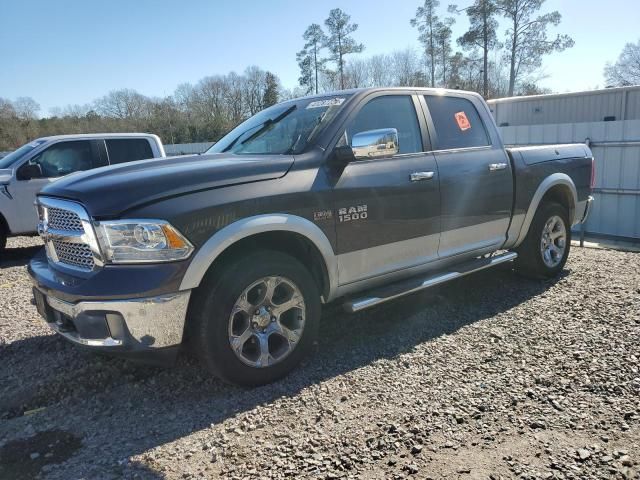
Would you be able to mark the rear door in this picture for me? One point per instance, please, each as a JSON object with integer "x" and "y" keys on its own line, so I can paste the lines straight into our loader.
{"x": 476, "y": 183}
{"x": 384, "y": 220}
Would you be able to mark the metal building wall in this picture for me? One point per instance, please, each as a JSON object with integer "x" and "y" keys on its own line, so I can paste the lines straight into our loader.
{"x": 616, "y": 148}
{"x": 620, "y": 103}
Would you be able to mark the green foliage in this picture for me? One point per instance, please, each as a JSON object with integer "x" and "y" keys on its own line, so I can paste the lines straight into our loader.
{"x": 527, "y": 40}
{"x": 427, "y": 22}
{"x": 309, "y": 59}
{"x": 270, "y": 96}
{"x": 339, "y": 41}
{"x": 482, "y": 34}
{"x": 194, "y": 113}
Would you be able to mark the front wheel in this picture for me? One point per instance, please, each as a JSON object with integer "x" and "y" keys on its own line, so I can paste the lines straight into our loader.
{"x": 255, "y": 319}
{"x": 545, "y": 250}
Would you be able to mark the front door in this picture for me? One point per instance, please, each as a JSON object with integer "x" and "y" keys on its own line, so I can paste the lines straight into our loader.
{"x": 476, "y": 184}
{"x": 385, "y": 221}
{"x": 59, "y": 159}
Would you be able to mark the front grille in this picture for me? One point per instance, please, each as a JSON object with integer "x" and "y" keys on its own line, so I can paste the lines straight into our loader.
{"x": 68, "y": 235}
{"x": 64, "y": 220}
{"x": 76, "y": 254}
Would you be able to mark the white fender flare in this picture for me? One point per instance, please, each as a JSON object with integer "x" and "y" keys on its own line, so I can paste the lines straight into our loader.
{"x": 546, "y": 185}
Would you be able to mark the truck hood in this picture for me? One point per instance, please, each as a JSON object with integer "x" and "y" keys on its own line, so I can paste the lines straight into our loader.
{"x": 109, "y": 191}
{"x": 5, "y": 175}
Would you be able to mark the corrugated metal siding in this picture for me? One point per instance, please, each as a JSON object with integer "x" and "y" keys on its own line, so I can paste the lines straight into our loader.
{"x": 187, "y": 148}
{"x": 616, "y": 211}
{"x": 621, "y": 103}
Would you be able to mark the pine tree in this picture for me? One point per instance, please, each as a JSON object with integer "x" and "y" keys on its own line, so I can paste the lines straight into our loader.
{"x": 426, "y": 21}
{"x": 481, "y": 34}
{"x": 339, "y": 41}
{"x": 270, "y": 96}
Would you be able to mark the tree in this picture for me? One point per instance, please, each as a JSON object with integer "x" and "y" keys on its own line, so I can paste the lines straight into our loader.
{"x": 626, "y": 70}
{"x": 381, "y": 74}
{"x": 481, "y": 34}
{"x": 527, "y": 37}
{"x": 270, "y": 96}
{"x": 305, "y": 63}
{"x": 26, "y": 108}
{"x": 406, "y": 68}
{"x": 339, "y": 41}
{"x": 426, "y": 21}
{"x": 125, "y": 104}
{"x": 443, "y": 42}
{"x": 309, "y": 57}
{"x": 6, "y": 109}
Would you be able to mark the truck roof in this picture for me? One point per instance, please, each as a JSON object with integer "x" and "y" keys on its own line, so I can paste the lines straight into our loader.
{"x": 77, "y": 136}
{"x": 353, "y": 91}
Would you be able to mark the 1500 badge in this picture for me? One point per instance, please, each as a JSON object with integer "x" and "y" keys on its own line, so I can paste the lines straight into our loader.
{"x": 350, "y": 214}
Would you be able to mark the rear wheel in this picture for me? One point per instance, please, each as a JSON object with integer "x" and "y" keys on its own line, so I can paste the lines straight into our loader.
{"x": 255, "y": 319}
{"x": 545, "y": 249}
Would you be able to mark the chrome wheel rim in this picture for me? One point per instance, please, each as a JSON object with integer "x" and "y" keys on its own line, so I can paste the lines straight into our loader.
{"x": 553, "y": 242}
{"x": 267, "y": 321}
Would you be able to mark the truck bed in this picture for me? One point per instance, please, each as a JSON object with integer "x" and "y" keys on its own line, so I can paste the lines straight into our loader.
{"x": 547, "y": 153}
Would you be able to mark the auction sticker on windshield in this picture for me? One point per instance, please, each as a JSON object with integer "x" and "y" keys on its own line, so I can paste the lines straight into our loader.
{"x": 331, "y": 102}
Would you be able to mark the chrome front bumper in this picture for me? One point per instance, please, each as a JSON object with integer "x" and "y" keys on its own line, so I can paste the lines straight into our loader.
{"x": 135, "y": 324}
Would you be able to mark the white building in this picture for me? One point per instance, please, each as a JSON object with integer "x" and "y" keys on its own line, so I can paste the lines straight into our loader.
{"x": 610, "y": 121}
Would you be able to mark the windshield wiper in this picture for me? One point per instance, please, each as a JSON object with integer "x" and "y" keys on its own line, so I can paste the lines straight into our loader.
{"x": 268, "y": 124}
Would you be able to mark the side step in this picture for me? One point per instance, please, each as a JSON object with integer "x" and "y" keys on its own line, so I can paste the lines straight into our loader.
{"x": 415, "y": 284}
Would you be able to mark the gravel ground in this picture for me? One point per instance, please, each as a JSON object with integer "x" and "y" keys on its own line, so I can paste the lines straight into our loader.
{"x": 491, "y": 376}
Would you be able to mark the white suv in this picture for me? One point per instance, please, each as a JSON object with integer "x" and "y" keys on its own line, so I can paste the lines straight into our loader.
{"x": 27, "y": 170}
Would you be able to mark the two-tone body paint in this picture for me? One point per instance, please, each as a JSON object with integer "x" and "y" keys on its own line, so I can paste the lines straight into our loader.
{"x": 464, "y": 210}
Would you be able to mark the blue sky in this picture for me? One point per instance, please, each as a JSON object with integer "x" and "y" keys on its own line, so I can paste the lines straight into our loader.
{"x": 73, "y": 51}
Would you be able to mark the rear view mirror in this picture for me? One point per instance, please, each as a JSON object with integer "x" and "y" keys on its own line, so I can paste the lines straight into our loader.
{"x": 29, "y": 171}
{"x": 375, "y": 143}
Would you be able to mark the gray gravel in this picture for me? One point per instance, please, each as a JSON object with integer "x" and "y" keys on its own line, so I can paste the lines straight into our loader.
{"x": 492, "y": 376}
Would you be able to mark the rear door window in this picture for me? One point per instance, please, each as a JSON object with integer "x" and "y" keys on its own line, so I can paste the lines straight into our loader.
{"x": 122, "y": 150}
{"x": 391, "y": 111}
{"x": 457, "y": 123}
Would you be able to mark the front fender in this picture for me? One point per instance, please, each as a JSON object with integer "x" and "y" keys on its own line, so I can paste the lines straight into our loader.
{"x": 249, "y": 226}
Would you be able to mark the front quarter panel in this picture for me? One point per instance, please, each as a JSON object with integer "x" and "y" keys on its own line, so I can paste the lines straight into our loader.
{"x": 298, "y": 202}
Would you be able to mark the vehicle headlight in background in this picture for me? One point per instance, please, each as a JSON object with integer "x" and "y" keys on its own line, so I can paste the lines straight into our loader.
{"x": 142, "y": 241}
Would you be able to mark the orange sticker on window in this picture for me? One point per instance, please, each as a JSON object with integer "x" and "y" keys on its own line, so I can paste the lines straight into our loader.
{"x": 462, "y": 121}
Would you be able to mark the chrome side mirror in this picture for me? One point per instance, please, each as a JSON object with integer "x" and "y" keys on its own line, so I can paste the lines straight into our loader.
{"x": 375, "y": 143}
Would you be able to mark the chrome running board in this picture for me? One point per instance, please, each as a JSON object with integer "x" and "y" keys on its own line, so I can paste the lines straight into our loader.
{"x": 415, "y": 284}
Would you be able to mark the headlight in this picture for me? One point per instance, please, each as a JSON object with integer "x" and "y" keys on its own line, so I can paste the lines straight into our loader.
{"x": 142, "y": 241}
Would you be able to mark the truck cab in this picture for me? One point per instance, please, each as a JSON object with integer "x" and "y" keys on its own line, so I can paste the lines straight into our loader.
{"x": 24, "y": 172}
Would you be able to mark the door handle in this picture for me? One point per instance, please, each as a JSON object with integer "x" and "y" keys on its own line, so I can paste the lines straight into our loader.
{"x": 419, "y": 176}
{"x": 497, "y": 166}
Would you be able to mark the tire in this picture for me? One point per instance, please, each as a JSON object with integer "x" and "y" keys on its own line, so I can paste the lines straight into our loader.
{"x": 540, "y": 255}
{"x": 213, "y": 328}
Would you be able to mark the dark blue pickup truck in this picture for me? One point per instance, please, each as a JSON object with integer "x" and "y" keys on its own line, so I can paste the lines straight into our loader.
{"x": 358, "y": 197}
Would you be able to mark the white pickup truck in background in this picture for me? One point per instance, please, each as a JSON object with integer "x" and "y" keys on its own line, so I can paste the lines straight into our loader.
{"x": 25, "y": 171}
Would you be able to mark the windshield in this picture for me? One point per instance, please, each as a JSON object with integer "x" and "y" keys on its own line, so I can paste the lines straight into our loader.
{"x": 16, "y": 155}
{"x": 286, "y": 128}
